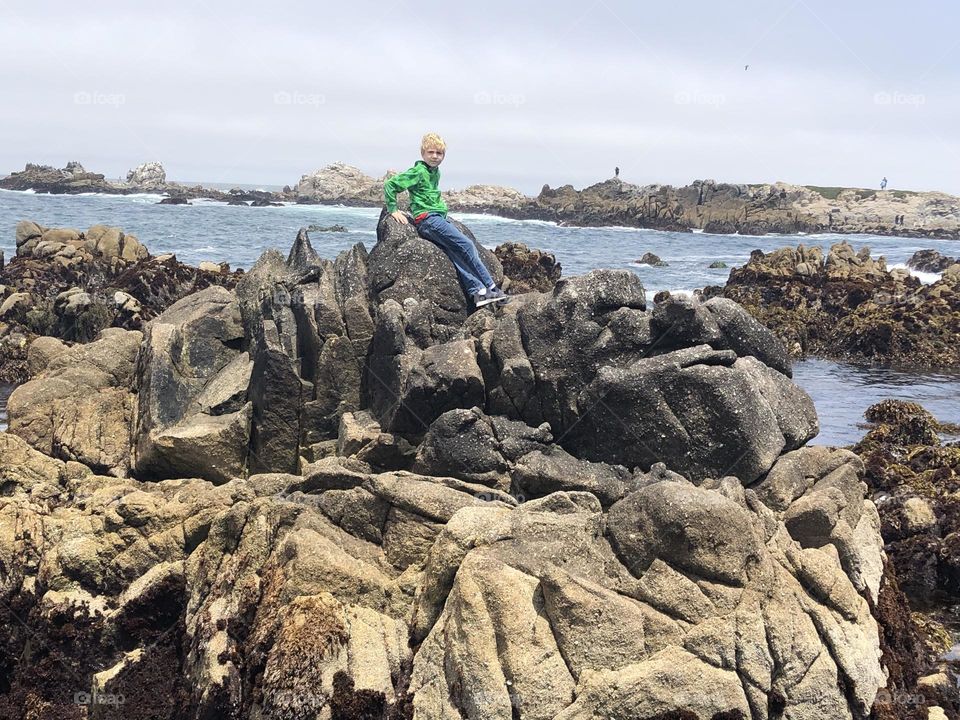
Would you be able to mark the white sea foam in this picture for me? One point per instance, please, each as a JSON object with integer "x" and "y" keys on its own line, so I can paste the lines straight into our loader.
{"x": 480, "y": 217}
{"x": 927, "y": 278}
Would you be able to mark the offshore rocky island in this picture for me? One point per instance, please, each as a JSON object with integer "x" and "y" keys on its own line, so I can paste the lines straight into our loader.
{"x": 324, "y": 489}
{"x": 706, "y": 205}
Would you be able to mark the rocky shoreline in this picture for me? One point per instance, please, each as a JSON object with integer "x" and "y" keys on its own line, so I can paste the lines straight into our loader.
{"x": 329, "y": 490}
{"x": 849, "y": 306}
{"x": 723, "y": 208}
{"x": 67, "y": 284}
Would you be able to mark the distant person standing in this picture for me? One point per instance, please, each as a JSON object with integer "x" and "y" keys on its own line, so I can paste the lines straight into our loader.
{"x": 883, "y": 183}
{"x": 616, "y": 172}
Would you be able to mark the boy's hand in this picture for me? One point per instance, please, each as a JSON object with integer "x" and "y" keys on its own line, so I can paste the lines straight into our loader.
{"x": 400, "y": 217}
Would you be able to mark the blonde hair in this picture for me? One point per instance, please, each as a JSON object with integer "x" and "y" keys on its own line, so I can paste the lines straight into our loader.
{"x": 432, "y": 140}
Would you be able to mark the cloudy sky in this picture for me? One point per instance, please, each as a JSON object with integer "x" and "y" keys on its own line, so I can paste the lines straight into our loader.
{"x": 525, "y": 93}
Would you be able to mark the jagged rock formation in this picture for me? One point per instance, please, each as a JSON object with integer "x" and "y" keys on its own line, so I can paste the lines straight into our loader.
{"x": 569, "y": 507}
{"x": 748, "y": 209}
{"x": 151, "y": 176}
{"x": 71, "y": 179}
{"x": 849, "y": 306}
{"x": 527, "y": 270}
{"x": 340, "y": 183}
{"x": 930, "y": 261}
{"x": 71, "y": 284}
{"x": 913, "y": 475}
{"x": 148, "y": 176}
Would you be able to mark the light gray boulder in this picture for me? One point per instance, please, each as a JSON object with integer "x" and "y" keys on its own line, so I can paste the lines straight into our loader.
{"x": 192, "y": 417}
{"x": 80, "y": 405}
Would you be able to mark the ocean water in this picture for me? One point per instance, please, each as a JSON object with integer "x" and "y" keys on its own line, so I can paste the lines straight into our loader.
{"x": 219, "y": 232}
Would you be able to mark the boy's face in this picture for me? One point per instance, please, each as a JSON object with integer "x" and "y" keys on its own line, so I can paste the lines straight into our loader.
{"x": 432, "y": 156}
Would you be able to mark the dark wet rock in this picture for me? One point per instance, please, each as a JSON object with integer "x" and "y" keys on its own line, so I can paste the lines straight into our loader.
{"x": 515, "y": 458}
{"x": 913, "y": 475}
{"x": 302, "y": 255}
{"x": 930, "y": 261}
{"x": 652, "y": 260}
{"x": 717, "y": 264}
{"x": 528, "y": 270}
{"x": 404, "y": 267}
{"x": 175, "y": 200}
{"x": 850, "y": 306}
{"x": 71, "y": 179}
{"x": 327, "y": 228}
{"x": 659, "y": 404}
{"x": 916, "y": 475}
{"x": 408, "y": 387}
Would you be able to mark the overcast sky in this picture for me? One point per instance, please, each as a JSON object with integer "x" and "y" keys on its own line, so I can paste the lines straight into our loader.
{"x": 525, "y": 93}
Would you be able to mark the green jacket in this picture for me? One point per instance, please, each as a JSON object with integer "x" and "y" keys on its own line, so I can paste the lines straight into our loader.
{"x": 422, "y": 181}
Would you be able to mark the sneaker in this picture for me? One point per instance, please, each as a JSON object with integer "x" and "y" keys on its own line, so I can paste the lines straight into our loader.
{"x": 498, "y": 295}
{"x": 480, "y": 300}
{"x": 491, "y": 296}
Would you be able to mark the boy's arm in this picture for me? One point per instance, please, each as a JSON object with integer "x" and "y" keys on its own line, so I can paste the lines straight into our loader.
{"x": 397, "y": 184}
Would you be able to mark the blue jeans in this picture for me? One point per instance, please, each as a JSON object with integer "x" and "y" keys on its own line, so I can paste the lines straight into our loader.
{"x": 474, "y": 275}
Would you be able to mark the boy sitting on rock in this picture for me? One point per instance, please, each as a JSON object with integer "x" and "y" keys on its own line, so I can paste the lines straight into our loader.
{"x": 430, "y": 217}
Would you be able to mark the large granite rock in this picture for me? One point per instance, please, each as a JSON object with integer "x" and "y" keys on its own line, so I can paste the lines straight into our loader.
{"x": 408, "y": 269}
{"x": 662, "y": 613}
{"x": 193, "y": 417}
{"x": 148, "y": 176}
{"x": 282, "y": 595}
{"x": 79, "y": 405}
{"x": 339, "y": 182}
{"x": 610, "y": 510}
{"x": 703, "y": 412}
